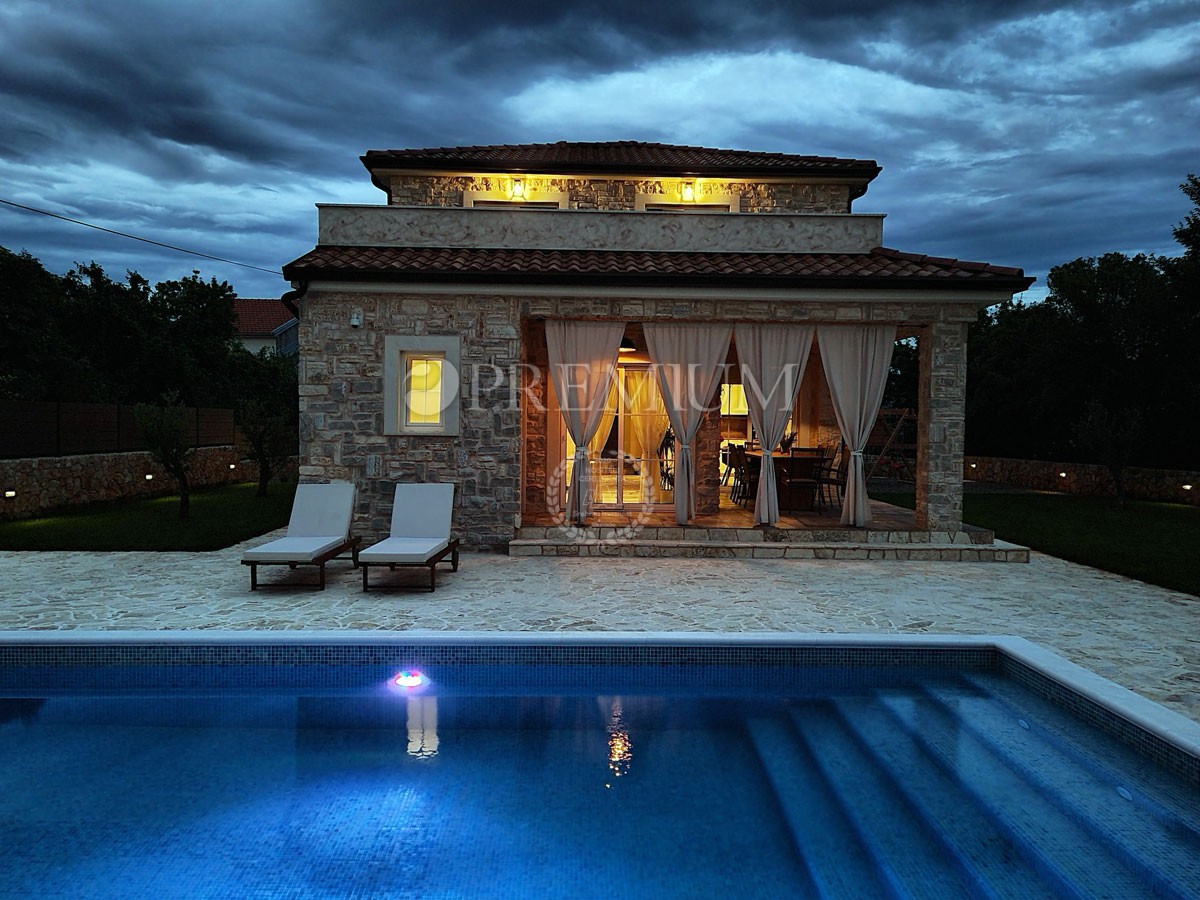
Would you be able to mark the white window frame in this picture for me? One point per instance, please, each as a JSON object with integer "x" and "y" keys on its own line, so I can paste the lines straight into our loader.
{"x": 397, "y": 350}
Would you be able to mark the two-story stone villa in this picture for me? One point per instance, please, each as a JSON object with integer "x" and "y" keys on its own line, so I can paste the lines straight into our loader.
{"x": 554, "y": 328}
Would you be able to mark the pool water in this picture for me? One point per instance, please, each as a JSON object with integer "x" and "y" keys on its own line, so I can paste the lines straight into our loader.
{"x": 937, "y": 785}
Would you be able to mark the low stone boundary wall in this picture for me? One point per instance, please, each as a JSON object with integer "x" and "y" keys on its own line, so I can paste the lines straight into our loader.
{"x": 1080, "y": 478}
{"x": 32, "y": 486}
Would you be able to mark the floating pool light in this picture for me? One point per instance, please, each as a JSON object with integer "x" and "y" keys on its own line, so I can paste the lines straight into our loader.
{"x": 409, "y": 679}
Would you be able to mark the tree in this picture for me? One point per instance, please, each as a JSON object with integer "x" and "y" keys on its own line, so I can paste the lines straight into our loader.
{"x": 167, "y": 431}
{"x": 268, "y": 411}
{"x": 36, "y": 360}
{"x": 1112, "y": 347}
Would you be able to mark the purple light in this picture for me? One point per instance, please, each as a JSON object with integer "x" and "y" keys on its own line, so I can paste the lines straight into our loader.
{"x": 409, "y": 679}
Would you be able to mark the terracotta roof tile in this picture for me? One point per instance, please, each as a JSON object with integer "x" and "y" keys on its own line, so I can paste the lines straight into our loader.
{"x": 616, "y": 156}
{"x": 882, "y": 267}
{"x": 259, "y": 316}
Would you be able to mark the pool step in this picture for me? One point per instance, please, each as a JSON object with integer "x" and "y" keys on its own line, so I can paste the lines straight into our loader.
{"x": 1133, "y": 826}
{"x": 989, "y": 851}
{"x": 729, "y": 544}
{"x": 1067, "y": 849}
{"x": 838, "y": 862}
{"x": 915, "y": 859}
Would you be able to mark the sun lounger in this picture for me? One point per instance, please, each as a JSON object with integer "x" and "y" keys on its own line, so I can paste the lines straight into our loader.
{"x": 318, "y": 531}
{"x": 420, "y": 534}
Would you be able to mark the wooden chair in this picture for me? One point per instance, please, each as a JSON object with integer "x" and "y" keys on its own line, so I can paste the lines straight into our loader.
{"x": 831, "y": 477}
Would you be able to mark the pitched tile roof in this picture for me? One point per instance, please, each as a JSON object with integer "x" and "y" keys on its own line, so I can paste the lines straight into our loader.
{"x": 259, "y": 316}
{"x": 634, "y": 157}
{"x": 881, "y": 268}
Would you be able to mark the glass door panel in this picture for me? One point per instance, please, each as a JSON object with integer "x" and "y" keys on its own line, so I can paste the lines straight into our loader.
{"x": 632, "y": 454}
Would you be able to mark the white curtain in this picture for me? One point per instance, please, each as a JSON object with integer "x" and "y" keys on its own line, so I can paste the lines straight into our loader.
{"x": 687, "y": 361}
{"x": 583, "y": 358}
{"x": 772, "y": 359}
{"x": 856, "y": 360}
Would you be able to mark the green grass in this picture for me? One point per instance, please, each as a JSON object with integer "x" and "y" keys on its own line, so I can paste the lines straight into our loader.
{"x": 1154, "y": 542}
{"x": 219, "y": 517}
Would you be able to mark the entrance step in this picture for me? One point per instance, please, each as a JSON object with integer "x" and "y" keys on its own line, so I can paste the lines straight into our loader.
{"x": 765, "y": 543}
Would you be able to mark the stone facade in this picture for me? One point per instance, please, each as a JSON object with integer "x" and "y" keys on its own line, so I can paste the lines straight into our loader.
{"x": 1090, "y": 480}
{"x": 617, "y": 194}
{"x": 342, "y": 400}
{"x": 501, "y": 457}
{"x": 53, "y": 482}
{"x": 942, "y": 397}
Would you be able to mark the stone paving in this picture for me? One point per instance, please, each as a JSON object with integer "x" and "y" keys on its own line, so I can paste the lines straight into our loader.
{"x": 1143, "y": 637}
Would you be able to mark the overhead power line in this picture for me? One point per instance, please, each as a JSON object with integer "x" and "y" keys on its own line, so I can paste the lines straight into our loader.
{"x": 134, "y": 237}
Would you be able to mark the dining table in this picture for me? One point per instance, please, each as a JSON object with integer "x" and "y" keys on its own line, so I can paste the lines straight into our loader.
{"x": 795, "y": 477}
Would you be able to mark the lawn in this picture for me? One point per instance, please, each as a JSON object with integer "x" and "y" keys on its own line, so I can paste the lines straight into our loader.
{"x": 1154, "y": 542}
{"x": 219, "y": 517}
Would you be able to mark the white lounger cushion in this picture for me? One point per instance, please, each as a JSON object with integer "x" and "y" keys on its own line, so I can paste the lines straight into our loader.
{"x": 403, "y": 550}
{"x": 293, "y": 549}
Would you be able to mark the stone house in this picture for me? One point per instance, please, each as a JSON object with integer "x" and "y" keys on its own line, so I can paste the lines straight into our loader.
{"x": 431, "y": 326}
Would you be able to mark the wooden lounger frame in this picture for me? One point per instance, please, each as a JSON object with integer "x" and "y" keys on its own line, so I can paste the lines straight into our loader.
{"x": 350, "y": 544}
{"x": 450, "y": 549}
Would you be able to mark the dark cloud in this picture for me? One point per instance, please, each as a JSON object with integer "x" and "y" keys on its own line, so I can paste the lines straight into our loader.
{"x": 1022, "y": 132}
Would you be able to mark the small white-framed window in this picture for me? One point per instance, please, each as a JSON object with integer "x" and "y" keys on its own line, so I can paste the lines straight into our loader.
{"x": 421, "y": 385}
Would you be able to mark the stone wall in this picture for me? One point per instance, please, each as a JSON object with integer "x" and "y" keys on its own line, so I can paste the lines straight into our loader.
{"x": 611, "y": 194}
{"x": 52, "y": 482}
{"x": 942, "y": 391}
{"x": 342, "y": 408}
{"x": 1089, "y": 480}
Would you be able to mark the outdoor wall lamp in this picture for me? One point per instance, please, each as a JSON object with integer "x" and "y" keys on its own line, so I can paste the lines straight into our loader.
{"x": 1186, "y": 487}
{"x": 688, "y": 192}
{"x": 10, "y": 494}
{"x": 518, "y": 189}
{"x": 149, "y": 477}
{"x": 355, "y": 319}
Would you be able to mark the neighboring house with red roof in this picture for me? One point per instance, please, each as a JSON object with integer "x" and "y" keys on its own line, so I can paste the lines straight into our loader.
{"x": 484, "y": 259}
{"x": 266, "y": 325}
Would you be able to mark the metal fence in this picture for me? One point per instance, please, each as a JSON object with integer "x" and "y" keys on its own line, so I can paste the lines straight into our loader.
{"x": 29, "y": 429}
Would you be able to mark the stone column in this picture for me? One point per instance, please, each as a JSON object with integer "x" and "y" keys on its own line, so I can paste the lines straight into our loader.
{"x": 942, "y": 396}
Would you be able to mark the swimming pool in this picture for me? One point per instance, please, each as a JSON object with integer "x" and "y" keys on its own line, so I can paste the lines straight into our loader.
{"x": 632, "y": 766}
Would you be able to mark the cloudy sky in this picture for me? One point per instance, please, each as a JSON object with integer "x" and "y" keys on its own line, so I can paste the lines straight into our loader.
{"x": 1018, "y": 132}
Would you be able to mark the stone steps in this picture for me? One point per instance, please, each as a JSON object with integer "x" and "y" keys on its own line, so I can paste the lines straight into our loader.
{"x": 760, "y": 535}
{"x": 997, "y": 551}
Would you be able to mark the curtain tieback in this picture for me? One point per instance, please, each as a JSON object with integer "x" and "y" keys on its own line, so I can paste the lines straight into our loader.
{"x": 767, "y": 454}
{"x": 856, "y": 453}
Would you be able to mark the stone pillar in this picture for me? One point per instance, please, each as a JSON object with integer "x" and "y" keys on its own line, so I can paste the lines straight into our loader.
{"x": 942, "y": 394}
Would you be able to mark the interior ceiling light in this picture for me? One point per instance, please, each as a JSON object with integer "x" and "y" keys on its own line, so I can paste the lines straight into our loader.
{"x": 627, "y": 345}
{"x": 689, "y": 192}
{"x": 518, "y": 189}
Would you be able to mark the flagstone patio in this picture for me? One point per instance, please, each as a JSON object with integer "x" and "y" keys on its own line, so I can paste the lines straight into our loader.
{"x": 1140, "y": 636}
